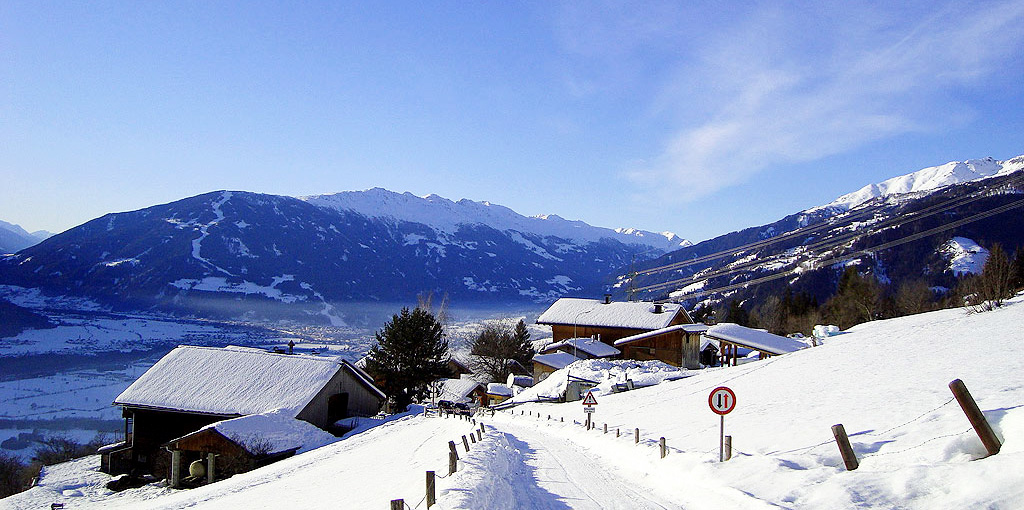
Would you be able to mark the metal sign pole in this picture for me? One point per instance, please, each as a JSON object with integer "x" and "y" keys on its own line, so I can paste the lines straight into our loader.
{"x": 721, "y": 440}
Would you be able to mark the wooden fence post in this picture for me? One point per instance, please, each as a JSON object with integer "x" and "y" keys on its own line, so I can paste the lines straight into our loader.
{"x": 453, "y": 462}
{"x": 451, "y": 448}
{"x": 397, "y": 504}
{"x": 465, "y": 442}
{"x": 728, "y": 447}
{"x": 472, "y": 437}
{"x": 849, "y": 457}
{"x": 636, "y": 436}
{"x": 480, "y": 435}
{"x": 975, "y": 416}
{"x": 605, "y": 428}
{"x": 616, "y": 432}
{"x": 664, "y": 449}
{"x": 431, "y": 496}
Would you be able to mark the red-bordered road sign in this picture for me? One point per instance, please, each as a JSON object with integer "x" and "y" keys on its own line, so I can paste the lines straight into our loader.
{"x": 722, "y": 400}
{"x": 590, "y": 400}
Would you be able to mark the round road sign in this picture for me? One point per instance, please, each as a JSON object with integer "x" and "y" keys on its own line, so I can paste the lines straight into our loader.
{"x": 722, "y": 400}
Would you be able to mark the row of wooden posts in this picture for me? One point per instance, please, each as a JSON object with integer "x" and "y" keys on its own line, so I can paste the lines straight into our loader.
{"x": 963, "y": 397}
{"x": 662, "y": 445}
{"x": 453, "y": 460}
{"x": 967, "y": 403}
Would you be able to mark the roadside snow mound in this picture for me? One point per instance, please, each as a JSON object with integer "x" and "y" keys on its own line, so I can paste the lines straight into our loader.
{"x": 605, "y": 372}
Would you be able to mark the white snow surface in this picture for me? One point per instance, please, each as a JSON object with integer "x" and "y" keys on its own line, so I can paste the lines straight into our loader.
{"x": 928, "y": 179}
{"x": 230, "y": 381}
{"x": 885, "y": 381}
{"x": 965, "y": 255}
{"x": 617, "y": 314}
{"x": 279, "y": 428}
{"x": 755, "y": 338}
{"x": 444, "y": 215}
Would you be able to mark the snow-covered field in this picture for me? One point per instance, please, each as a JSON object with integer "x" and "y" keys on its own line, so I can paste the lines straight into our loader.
{"x": 885, "y": 381}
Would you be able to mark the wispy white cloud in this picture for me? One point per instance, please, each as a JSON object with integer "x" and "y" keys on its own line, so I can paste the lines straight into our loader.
{"x": 776, "y": 86}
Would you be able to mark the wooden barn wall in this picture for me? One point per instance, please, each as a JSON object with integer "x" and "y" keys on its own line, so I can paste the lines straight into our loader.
{"x": 361, "y": 401}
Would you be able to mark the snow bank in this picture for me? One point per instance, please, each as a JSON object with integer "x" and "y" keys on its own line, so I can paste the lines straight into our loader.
{"x": 605, "y": 372}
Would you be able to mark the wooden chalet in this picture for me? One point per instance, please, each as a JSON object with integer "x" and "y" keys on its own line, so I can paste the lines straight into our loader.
{"x": 192, "y": 387}
{"x": 678, "y": 345}
{"x": 609, "y": 320}
{"x": 732, "y": 338}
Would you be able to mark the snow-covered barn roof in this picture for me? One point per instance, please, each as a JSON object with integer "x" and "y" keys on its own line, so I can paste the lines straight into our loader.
{"x": 593, "y": 347}
{"x": 499, "y": 389}
{"x": 275, "y": 430}
{"x": 757, "y": 339}
{"x": 458, "y": 390}
{"x": 688, "y": 328}
{"x": 232, "y": 381}
{"x": 556, "y": 360}
{"x": 617, "y": 314}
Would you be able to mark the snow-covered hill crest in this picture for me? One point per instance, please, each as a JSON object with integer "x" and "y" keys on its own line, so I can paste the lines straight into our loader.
{"x": 928, "y": 179}
{"x": 446, "y": 216}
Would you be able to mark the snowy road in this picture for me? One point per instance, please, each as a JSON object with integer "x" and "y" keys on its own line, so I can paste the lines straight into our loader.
{"x": 561, "y": 474}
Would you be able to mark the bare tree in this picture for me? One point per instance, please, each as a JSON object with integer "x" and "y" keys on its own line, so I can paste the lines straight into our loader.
{"x": 987, "y": 291}
{"x": 498, "y": 347}
{"x": 913, "y": 297}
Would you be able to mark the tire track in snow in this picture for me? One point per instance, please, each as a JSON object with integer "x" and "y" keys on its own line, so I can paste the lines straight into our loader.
{"x": 565, "y": 470}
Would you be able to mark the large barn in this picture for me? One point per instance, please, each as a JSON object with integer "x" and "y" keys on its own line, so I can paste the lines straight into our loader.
{"x": 192, "y": 387}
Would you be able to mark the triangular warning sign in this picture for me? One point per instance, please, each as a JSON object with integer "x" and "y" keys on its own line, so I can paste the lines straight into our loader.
{"x": 589, "y": 400}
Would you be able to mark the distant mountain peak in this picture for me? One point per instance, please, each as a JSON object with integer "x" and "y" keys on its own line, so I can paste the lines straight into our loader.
{"x": 444, "y": 215}
{"x": 928, "y": 179}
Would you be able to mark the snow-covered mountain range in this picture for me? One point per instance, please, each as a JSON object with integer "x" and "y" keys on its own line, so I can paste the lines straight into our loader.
{"x": 928, "y": 179}
{"x": 447, "y": 216}
{"x": 239, "y": 254}
{"x": 14, "y": 238}
{"x": 932, "y": 224}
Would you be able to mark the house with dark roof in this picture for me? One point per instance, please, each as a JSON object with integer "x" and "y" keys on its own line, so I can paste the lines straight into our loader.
{"x": 192, "y": 387}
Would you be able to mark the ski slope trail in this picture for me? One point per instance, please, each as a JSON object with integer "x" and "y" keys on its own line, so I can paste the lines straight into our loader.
{"x": 571, "y": 475}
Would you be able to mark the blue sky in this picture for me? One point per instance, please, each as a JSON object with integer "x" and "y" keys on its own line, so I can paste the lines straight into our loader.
{"x": 694, "y": 117}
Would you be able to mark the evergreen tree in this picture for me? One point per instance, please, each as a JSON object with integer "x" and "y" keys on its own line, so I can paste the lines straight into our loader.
{"x": 1018, "y": 269}
{"x": 737, "y": 314}
{"x": 411, "y": 352}
{"x": 857, "y": 299}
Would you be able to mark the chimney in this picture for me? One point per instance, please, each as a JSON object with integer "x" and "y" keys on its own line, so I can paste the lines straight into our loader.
{"x": 607, "y": 299}
{"x": 658, "y": 308}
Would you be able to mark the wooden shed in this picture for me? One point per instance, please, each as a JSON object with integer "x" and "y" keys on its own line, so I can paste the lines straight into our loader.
{"x": 192, "y": 387}
{"x": 732, "y": 338}
{"x": 229, "y": 447}
{"x": 678, "y": 345}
